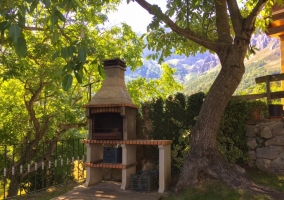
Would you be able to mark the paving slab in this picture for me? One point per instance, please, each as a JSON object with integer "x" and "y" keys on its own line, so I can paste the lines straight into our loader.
{"x": 105, "y": 191}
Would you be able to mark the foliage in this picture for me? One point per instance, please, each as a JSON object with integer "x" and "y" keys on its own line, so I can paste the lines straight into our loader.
{"x": 142, "y": 90}
{"x": 195, "y": 21}
{"x": 232, "y": 139}
{"x": 231, "y": 135}
{"x": 172, "y": 119}
{"x": 36, "y": 104}
{"x": 257, "y": 104}
{"x": 180, "y": 149}
{"x": 70, "y": 31}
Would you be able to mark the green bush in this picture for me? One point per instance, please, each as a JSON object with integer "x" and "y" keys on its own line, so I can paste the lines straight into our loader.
{"x": 231, "y": 138}
{"x": 174, "y": 117}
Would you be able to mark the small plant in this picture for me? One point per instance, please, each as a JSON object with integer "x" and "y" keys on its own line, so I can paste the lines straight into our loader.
{"x": 257, "y": 107}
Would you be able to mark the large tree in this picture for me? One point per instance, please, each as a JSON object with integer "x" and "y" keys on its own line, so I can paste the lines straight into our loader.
{"x": 73, "y": 31}
{"x": 43, "y": 45}
{"x": 224, "y": 27}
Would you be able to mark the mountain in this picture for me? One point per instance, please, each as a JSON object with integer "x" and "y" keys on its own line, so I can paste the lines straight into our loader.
{"x": 265, "y": 61}
{"x": 150, "y": 69}
{"x": 198, "y": 72}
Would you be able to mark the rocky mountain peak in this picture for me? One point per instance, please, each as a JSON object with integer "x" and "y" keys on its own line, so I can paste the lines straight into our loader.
{"x": 197, "y": 64}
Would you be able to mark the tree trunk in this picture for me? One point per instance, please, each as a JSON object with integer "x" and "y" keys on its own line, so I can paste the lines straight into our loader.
{"x": 13, "y": 186}
{"x": 204, "y": 159}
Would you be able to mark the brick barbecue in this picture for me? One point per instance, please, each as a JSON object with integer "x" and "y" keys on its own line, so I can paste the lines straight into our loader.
{"x": 111, "y": 112}
{"x": 112, "y": 123}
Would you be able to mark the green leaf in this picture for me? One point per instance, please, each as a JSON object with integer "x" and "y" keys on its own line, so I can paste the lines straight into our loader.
{"x": 78, "y": 67}
{"x": 55, "y": 55}
{"x": 34, "y": 5}
{"x": 102, "y": 71}
{"x": 64, "y": 52}
{"x": 3, "y": 12}
{"x": 55, "y": 36}
{"x": 79, "y": 75}
{"x": 72, "y": 65}
{"x": 22, "y": 11}
{"x": 78, "y": 3}
{"x": 3, "y": 25}
{"x": 53, "y": 21}
{"x": 67, "y": 69}
{"x": 46, "y": 3}
{"x": 67, "y": 82}
{"x": 82, "y": 54}
{"x": 14, "y": 32}
{"x": 60, "y": 16}
{"x": 21, "y": 47}
{"x": 22, "y": 21}
{"x": 22, "y": 16}
{"x": 70, "y": 50}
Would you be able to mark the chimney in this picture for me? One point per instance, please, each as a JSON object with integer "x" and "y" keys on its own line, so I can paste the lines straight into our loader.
{"x": 113, "y": 90}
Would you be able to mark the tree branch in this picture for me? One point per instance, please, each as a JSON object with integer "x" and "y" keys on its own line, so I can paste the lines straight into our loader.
{"x": 187, "y": 33}
{"x": 250, "y": 20}
{"x": 29, "y": 28}
{"x": 30, "y": 108}
{"x": 63, "y": 33}
{"x": 236, "y": 17}
{"x": 222, "y": 22}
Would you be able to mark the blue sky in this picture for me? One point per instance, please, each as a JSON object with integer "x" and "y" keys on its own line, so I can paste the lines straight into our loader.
{"x": 134, "y": 15}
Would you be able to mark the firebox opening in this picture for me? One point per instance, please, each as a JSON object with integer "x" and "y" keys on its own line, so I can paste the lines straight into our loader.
{"x": 107, "y": 126}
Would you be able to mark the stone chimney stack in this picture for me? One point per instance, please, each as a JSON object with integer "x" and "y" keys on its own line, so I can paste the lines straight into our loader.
{"x": 113, "y": 90}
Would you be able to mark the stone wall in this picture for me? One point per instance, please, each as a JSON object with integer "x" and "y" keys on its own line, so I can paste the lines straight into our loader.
{"x": 266, "y": 144}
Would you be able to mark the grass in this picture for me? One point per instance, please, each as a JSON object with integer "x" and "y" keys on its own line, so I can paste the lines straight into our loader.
{"x": 215, "y": 190}
{"x": 51, "y": 192}
{"x": 211, "y": 190}
{"x": 269, "y": 180}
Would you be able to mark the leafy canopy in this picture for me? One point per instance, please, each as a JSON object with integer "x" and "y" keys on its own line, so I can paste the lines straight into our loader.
{"x": 71, "y": 31}
{"x": 191, "y": 26}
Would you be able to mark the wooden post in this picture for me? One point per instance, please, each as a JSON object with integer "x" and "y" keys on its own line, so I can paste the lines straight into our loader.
{"x": 282, "y": 63}
{"x": 268, "y": 91}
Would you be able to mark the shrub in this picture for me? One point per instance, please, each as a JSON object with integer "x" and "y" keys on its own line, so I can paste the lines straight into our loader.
{"x": 231, "y": 138}
{"x": 174, "y": 117}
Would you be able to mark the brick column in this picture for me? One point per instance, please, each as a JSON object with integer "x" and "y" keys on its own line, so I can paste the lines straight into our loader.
{"x": 128, "y": 158}
{"x": 94, "y": 153}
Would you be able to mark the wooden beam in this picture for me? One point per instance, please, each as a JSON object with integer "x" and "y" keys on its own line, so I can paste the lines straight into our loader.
{"x": 275, "y": 31}
{"x": 277, "y": 95}
{"x": 274, "y": 95}
{"x": 276, "y": 23}
{"x": 250, "y": 96}
{"x": 277, "y": 9}
{"x": 278, "y": 16}
{"x": 274, "y": 77}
